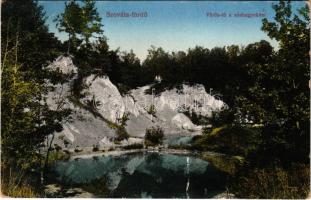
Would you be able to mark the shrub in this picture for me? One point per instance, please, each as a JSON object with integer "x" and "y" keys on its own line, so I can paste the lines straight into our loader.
{"x": 274, "y": 183}
{"x": 77, "y": 150}
{"x": 125, "y": 117}
{"x": 111, "y": 149}
{"x": 151, "y": 110}
{"x": 95, "y": 148}
{"x": 154, "y": 136}
{"x": 57, "y": 147}
{"x": 121, "y": 134}
{"x": 66, "y": 143}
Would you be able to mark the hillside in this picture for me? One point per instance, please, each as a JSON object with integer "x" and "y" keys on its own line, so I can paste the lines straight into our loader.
{"x": 95, "y": 117}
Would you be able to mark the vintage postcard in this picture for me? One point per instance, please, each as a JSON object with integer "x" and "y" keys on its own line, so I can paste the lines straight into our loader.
{"x": 155, "y": 99}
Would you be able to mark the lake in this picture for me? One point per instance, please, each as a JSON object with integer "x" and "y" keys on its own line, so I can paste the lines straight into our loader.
{"x": 142, "y": 175}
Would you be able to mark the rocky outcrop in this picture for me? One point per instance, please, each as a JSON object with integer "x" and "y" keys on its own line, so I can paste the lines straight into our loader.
{"x": 167, "y": 109}
{"x": 97, "y": 126}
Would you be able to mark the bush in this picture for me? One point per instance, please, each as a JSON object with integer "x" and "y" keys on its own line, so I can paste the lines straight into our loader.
{"x": 95, "y": 148}
{"x": 274, "y": 183}
{"x": 121, "y": 134}
{"x": 57, "y": 147}
{"x": 151, "y": 110}
{"x": 66, "y": 143}
{"x": 154, "y": 136}
{"x": 111, "y": 149}
{"x": 125, "y": 117}
{"x": 77, "y": 150}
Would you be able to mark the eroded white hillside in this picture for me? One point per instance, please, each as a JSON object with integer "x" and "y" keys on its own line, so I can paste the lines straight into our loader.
{"x": 84, "y": 129}
{"x": 111, "y": 104}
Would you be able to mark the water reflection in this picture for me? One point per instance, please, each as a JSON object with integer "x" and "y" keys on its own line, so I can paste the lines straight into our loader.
{"x": 143, "y": 175}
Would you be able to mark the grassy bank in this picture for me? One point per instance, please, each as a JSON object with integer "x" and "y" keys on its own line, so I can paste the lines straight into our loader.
{"x": 17, "y": 183}
{"x": 274, "y": 182}
{"x": 223, "y": 162}
{"x": 23, "y": 190}
{"x": 250, "y": 179}
{"x": 228, "y": 139}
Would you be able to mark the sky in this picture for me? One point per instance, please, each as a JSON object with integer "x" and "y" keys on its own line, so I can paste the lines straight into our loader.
{"x": 175, "y": 25}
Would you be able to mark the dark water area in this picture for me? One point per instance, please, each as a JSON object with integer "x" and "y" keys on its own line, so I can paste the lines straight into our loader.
{"x": 142, "y": 175}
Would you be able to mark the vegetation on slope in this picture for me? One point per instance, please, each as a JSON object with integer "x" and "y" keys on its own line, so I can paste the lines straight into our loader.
{"x": 233, "y": 140}
{"x": 121, "y": 132}
{"x": 154, "y": 136}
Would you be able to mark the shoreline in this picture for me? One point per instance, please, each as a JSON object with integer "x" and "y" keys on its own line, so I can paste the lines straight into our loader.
{"x": 119, "y": 152}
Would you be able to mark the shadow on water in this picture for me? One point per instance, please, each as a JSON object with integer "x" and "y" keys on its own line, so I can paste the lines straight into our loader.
{"x": 142, "y": 175}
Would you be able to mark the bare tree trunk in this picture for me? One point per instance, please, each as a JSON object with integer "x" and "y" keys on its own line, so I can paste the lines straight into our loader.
{"x": 40, "y": 178}
{"x": 47, "y": 158}
{"x": 7, "y": 43}
{"x": 68, "y": 44}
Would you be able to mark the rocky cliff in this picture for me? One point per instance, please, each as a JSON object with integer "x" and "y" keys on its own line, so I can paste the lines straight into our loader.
{"x": 95, "y": 117}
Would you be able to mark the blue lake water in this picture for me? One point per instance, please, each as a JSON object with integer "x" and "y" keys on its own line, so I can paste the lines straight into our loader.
{"x": 143, "y": 175}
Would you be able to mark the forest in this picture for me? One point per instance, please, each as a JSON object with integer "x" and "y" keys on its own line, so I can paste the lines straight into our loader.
{"x": 266, "y": 90}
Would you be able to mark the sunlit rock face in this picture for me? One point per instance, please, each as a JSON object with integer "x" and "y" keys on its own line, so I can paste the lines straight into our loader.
{"x": 110, "y": 102}
{"x": 63, "y": 64}
{"x": 168, "y": 109}
{"x": 143, "y": 110}
{"x": 59, "y": 97}
{"x": 83, "y": 128}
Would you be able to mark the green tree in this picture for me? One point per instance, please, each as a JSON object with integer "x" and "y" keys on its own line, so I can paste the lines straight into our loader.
{"x": 70, "y": 21}
{"x": 20, "y": 110}
{"x": 37, "y": 46}
{"x": 278, "y": 96}
{"x": 91, "y": 20}
{"x": 80, "y": 22}
{"x": 26, "y": 119}
{"x": 154, "y": 136}
{"x": 130, "y": 70}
